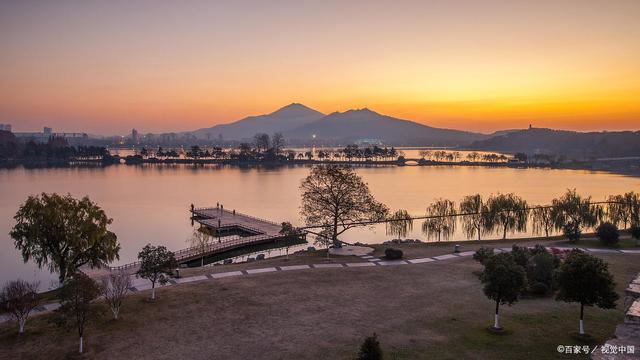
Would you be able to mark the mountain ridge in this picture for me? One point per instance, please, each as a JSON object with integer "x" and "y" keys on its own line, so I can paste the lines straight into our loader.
{"x": 300, "y": 123}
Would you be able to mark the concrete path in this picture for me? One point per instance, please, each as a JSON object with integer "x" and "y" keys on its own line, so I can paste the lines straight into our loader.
{"x": 143, "y": 284}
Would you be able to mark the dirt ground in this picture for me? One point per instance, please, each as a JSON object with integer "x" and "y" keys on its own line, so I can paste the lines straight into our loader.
{"x": 420, "y": 311}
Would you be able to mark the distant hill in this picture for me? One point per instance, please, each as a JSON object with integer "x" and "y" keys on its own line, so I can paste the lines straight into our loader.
{"x": 286, "y": 118}
{"x": 349, "y": 126}
{"x": 569, "y": 143}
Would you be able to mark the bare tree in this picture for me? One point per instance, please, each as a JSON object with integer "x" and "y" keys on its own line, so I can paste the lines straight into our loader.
{"x": 443, "y": 222}
{"x": 19, "y": 298}
{"x": 277, "y": 143}
{"x": 323, "y": 238}
{"x": 474, "y": 221}
{"x": 76, "y": 308}
{"x": 336, "y": 199}
{"x": 201, "y": 240}
{"x": 542, "y": 220}
{"x": 262, "y": 142}
{"x": 114, "y": 289}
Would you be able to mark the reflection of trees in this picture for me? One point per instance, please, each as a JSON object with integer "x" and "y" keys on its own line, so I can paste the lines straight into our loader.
{"x": 400, "y": 224}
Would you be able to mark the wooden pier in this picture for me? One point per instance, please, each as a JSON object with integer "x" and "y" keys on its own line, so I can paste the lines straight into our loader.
{"x": 246, "y": 231}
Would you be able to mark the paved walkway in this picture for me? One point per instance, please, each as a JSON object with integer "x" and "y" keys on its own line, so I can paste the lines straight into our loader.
{"x": 371, "y": 261}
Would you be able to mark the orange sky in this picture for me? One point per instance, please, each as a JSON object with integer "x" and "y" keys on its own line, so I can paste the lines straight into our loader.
{"x": 107, "y": 66}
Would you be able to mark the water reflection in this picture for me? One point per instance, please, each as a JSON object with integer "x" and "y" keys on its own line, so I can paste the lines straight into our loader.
{"x": 150, "y": 203}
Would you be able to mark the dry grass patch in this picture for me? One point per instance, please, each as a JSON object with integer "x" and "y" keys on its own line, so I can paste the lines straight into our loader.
{"x": 433, "y": 310}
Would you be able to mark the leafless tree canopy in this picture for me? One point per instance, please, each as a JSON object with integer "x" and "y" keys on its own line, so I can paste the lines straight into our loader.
{"x": 19, "y": 298}
{"x": 201, "y": 240}
{"x": 336, "y": 197}
{"x": 114, "y": 289}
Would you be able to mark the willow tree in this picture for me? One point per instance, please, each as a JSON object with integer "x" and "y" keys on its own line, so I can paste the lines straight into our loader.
{"x": 400, "y": 224}
{"x": 507, "y": 213}
{"x": 624, "y": 209}
{"x": 336, "y": 199}
{"x": 442, "y": 220}
{"x": 572, "y": 212}
{"x": 542, "y": 220}
{"x": 473, "y": 222}
{"x": 64, "y": 233}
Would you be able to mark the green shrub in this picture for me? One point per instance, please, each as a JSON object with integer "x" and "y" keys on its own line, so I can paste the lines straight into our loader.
{"x": 540, "y": 270}
{"x": 521, "y": 255}
{"x": 539, "y": 289}
{"x": 393, "y": 254}
{"x": 482, "y": 254}
{"x": 635, "y": 231}
{"x": 370, "y": 349}
{"x": 608, "y": 234}
{"x": 572, "y": 231}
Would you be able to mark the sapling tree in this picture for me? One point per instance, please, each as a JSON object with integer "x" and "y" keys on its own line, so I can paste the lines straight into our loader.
{"x": 289, "y": 232}
{"x": 201, "y": 240}
{"x": 156, "y": 265}
{"x": 114, "y": 288}
{"x": 370, "y": 349}
{"x": 585, "y": 279}
{"x": 76, "y": 308}
{"x": 19, "y": 298}
{"x": 503, "y": 281}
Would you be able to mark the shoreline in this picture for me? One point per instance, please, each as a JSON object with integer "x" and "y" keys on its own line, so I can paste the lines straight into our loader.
{"x": 624, "y": 170}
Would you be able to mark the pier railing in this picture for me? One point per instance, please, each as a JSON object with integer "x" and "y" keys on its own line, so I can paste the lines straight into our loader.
{"x": 199, "y": 251}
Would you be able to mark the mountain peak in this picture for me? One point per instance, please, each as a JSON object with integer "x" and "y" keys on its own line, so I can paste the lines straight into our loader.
{"x": 295, "y": 109}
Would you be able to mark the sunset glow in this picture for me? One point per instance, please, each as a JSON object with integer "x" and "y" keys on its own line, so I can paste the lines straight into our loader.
{"x": 105, "y": 67}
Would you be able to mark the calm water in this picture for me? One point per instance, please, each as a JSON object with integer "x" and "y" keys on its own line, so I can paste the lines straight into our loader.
{"x": 149, "y": 204}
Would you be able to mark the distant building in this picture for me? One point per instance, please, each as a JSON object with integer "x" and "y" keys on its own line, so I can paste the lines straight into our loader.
{"x": 5, "y": 127}
{"x": 134, "y": 136}
{"x": 47, "y": 133}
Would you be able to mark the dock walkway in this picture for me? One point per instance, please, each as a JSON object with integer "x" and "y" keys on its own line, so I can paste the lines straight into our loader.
{"x": 218, "y": 220}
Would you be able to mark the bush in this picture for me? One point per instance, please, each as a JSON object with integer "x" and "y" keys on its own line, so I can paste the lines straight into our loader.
{"x": 571, "y": 231}
{"x": 635, "y": 231}
{"x": 540, "y": 271}
{"x": 370, "y": 348}
{"x": 539, "y": 289}
{"x": 521, "y": 255}
{"x": 393, "y": 254}
{"x": 608, "y": 234}
{"x": 483, "y": 254}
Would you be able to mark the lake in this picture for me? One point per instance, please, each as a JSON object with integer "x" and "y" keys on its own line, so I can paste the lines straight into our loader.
{"x": 150, "y": 203}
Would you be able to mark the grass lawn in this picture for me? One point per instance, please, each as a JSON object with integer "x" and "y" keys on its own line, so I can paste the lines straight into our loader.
{"x": 422, "y": 311}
